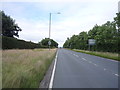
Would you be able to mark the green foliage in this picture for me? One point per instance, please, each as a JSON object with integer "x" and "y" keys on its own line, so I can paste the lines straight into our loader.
{"x": 106, "y": 36}
{"x": 117, "y": 20}
{"x": 13, "y": 43}
{"x": 9, "y": 27}
{"x": 77, "y": 41}
{"x": 113, "y": 56}
{"x": 44, "y": 43}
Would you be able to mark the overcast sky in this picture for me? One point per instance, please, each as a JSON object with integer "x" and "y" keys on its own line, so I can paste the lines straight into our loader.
{"x": 76, "y": 16}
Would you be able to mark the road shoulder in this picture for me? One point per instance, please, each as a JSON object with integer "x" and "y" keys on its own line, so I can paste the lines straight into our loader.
{"x": 47, "y": 78}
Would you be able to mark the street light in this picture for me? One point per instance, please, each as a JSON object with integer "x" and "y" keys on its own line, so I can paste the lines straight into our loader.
{"x": 50, "y": 14}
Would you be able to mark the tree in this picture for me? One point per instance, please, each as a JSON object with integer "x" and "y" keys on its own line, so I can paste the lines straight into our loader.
{"x": 77, "y": 41}
{"x": 9, "y": 27}
{"x": 117, "y": 20}
{"x": 107, "y": 37}
{"x": 45, "y": 41}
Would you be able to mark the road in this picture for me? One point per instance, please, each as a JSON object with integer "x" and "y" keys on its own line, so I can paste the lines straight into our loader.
{"x": 79, "y": 70}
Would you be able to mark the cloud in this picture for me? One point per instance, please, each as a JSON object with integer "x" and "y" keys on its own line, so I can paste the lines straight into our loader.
{"x": 57, "y": 0}
{"x": 75, "y": 17}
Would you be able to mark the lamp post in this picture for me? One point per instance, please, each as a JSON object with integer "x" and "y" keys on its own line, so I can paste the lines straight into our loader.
{"x": 50, "y": 14}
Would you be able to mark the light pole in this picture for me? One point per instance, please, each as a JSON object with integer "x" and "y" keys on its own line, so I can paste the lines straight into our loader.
{"x": 50, "y": 14}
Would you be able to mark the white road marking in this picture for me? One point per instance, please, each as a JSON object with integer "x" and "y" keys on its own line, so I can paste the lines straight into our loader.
{"x": 74, "y": 54}
{"x": 77, "y": 56}
{"x": 90, "y": 62}
{"x": 105, "y": 69}
{"x": 116, "y": 74}
{"x": 84, "y": 59}
{"x": 53, "y": 72}
{"x": 95, "y": 64}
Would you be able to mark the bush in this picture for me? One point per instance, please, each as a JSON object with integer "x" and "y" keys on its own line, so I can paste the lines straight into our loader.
{"x": 14, "y": 43}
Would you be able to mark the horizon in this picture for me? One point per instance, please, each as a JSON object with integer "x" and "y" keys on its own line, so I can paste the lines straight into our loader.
{"x": 75, "y": 17}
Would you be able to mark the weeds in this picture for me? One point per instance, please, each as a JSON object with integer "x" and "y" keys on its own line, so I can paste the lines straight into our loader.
{"x": 25, "y": 68}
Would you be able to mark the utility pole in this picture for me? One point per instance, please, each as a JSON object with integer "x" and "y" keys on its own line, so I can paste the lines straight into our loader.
{"x": 49, "y": 43}
{"x": 50, "y": 15}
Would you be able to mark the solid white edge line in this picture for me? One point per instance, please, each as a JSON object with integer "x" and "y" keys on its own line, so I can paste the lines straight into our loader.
{"x": 53, "y": 72}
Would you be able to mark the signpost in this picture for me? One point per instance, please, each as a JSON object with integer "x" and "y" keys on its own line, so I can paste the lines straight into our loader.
{"x": 91, "y": 42}
{"x": 49, "y": 43}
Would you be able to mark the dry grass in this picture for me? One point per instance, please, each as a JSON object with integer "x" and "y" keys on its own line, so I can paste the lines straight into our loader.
{"x": 25, "y": 68}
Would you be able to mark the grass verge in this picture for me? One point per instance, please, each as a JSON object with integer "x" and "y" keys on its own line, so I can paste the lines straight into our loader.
{"x": 108, "y": 55}
{"x": 25, "y": 68}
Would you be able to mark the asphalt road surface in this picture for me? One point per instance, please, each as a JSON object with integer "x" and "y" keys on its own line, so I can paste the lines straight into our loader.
{"x": 79, "y": 70}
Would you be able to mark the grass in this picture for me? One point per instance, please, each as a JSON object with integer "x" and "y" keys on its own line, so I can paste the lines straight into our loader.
{"x": 25, "y": 68}
{"x": 108, "y": 55}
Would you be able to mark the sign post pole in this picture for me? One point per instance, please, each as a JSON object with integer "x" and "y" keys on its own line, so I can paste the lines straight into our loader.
{"x": 91, "y": 42}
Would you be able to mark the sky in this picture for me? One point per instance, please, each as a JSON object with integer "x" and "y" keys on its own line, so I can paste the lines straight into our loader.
{"x": 76, "y": 16}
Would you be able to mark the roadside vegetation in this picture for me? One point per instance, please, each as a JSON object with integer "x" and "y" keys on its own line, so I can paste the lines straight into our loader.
{"x": 107, "y": 38}
{"x": 23, "y": 63}
{"x": 10, "y": 30}
{"x": 108, "y": 55}
{"x": 25, "y": 68}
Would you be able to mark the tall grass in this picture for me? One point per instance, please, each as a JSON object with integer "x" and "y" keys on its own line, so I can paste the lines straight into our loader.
{"x": 25, "y": 68}
{"x": 108, "y": 55}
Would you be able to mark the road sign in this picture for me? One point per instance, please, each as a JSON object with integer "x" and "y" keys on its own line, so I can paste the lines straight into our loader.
{"x": 91, "y": 41}
{"x": 49, "y": 43}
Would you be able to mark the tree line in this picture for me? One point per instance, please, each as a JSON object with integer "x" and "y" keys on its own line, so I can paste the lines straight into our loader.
{"x": 10, "y": 31}
{"x": 107, "y": 37}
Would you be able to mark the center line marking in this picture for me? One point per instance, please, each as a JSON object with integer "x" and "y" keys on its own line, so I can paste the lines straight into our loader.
{"x": 116, "y": 75}
{"x": 77, "y": 56}
{"x": 104, "y": 69}
{"x": 95, "y": 64}
{"x": 90, "y": 62}
{"x": 84, "y": 59}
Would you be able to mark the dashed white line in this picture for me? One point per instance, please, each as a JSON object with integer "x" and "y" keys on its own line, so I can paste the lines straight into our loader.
{"x": 84, "y": 59}
{"x": 116, "y": 74}
{"x": 105, "y": 69}
{"x": 74, "y": 54}
{"x": 95, "y": 64}
{"x": 90, "y": 62}
{"x": 77, "y": 56}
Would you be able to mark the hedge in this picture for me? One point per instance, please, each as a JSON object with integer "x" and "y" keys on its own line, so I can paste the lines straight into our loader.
{"x": 14, "y": 43}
